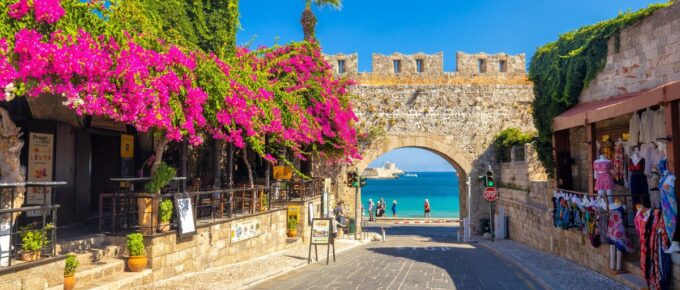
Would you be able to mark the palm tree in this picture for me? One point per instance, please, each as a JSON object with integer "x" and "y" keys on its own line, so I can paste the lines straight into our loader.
{"x": 308, "y": 19}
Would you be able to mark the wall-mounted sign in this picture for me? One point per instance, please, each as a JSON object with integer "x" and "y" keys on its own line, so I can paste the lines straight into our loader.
{"x": 127, "y": 146}
{"x": 294, "y": 212}
{"x": 40, "y": 164}
{"x": 283, "y": 172}
{"x": 244, "y": 230}
{"x": 186, "y": 221}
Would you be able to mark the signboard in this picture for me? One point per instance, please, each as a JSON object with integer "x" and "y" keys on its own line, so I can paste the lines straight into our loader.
{"x": 186, "y": 221}
{"x": 245, "y": 230}
{"x": 321, "y": 232}
{"x": 490, "y": 194}
{"x": 127, "y": 146}
{"x": 324, "y": 200}
{"x": 40, "y": 164}
{"x": 294, "y": 212}
{"x": 310, "y": 212}
{"x": 283, "y": 172}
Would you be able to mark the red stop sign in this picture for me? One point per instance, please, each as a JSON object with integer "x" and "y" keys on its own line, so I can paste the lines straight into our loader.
{"x": 490, "y": 194}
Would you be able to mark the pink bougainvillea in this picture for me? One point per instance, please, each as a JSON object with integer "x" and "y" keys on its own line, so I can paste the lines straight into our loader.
{"x": 267, "y": 99}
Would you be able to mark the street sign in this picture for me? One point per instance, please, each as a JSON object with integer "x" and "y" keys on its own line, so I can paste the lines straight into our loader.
{"x": 490, "y": 194}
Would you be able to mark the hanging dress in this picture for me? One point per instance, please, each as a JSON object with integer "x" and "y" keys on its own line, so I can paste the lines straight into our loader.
{"x": 669, "y": 204}
{"x": 639, "y": 188}
{"x": 618, "y": 164}
{"x": 658, "y": 263}
{"x": 616, "y": 230}
{"x": 634, "y": 131}
{"x": 641, "y": 219}
{"x": 603, "y": 176}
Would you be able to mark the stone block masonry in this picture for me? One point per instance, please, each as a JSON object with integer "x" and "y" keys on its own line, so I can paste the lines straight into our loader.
{"x": 47, "y": 273}
{"x": 453, "y": 114}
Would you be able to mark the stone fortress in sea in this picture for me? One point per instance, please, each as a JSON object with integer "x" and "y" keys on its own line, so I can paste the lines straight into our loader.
{"x": 388, "y": 171}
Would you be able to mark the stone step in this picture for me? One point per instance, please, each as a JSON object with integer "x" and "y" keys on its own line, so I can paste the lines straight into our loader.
{"x": 101, "y": 270}
{"x": 80, "y": 244}
{"x": 632, "y": 267}
{"x": 122, "y": 280}
{"x": 97, "y": 255}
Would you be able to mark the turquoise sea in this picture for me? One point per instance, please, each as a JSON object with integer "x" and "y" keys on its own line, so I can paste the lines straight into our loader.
{"x": 441, "y": 188}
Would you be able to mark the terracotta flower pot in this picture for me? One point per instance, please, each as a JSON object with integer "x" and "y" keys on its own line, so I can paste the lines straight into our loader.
{"x": 291, "y": 233}
{"x": 147, "y": 215}
{"x": 137, "y": 263}
{"x": 164, "y": 227}
{"x": 30, "y": 256}
{"x": 69, "y": 282}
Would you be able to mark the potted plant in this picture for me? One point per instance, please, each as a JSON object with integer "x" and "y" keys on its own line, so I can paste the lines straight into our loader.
{"x": 137, "y": 255}
{"x": 70, "y": 271}
{"x": 165, "y": 215}
{"x": 148, "y": 207}
{"x": 33, "y": 241}
{"x": 292, "y": 228}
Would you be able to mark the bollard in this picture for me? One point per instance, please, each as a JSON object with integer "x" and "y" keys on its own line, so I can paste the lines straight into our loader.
{"x": 384, "y": 237}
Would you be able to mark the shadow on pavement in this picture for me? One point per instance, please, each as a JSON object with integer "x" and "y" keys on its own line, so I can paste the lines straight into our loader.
{"x": 443, "y": 233}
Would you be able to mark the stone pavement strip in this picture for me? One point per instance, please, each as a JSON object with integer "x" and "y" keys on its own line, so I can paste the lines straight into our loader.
{"x": 250, "y": 272}
{"x": 551, "y": 271}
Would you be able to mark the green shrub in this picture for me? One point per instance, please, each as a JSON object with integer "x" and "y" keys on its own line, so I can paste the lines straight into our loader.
{"x": 34, "y": 239}
{"x": 508, "y": 138}
{"x": 135, "y": 245}
{"x": 292, "y": 224}
{"x": 163, "y": 175}
{"x": 71, "y": 265}
{"x": 166, "y": 210}
{"x": 560, "y": 70}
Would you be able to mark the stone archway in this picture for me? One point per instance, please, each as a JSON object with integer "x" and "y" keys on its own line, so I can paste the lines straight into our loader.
{"x": 433, "y": 143}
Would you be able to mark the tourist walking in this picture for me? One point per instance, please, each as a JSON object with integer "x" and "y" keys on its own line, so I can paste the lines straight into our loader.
{"x": 339, "y": 213}
{"x": 371, "y": 209}
{"x": 394, "y": 208}
{"x": 427, "y": 209}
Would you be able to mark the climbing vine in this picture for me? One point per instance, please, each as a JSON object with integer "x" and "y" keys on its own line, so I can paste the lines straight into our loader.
{"x": 508, "y": 138}
{"x": 560, "y": 70}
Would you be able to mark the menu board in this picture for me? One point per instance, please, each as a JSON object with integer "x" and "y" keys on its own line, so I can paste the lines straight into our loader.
{"x": 40, "y": 165}
{"x": 186, "y": 222}
{"x": 321, "y": 231}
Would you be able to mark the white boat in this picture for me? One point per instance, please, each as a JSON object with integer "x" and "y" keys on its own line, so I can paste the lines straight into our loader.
{"x": 410, "y": 175}
{"x": 389, "y": 171}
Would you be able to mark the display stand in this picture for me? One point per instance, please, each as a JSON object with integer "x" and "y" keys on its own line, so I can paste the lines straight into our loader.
{"x": 321, "y": 234}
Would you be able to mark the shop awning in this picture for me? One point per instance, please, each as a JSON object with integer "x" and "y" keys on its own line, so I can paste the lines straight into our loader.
{"x": 591, "y": 112}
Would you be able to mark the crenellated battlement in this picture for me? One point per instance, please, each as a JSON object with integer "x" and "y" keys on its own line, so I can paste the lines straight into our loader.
{"x": 432, "y": 65}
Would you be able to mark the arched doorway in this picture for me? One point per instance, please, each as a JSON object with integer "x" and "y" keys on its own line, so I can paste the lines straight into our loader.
{"x": 409, "y": 176}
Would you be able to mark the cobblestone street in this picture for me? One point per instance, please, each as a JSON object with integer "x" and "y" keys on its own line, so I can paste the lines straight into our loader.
{"x": 414, "y": 257}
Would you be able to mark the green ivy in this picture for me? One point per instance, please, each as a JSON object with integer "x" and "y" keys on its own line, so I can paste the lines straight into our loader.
{"x": 508, "y": 138}
{"x": 560, "y": 71}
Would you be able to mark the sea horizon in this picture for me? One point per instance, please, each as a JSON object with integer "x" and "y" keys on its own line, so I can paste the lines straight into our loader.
{"x": 439, "y": 187}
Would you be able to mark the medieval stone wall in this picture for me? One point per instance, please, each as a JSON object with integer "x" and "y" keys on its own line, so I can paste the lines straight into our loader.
{"x": 481, "y": 63}
{"x": 455, "y": 115}
{"x": 648, "y": 56}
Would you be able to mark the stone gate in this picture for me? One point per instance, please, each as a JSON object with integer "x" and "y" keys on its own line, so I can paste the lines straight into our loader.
{"x": 410, "y": 101}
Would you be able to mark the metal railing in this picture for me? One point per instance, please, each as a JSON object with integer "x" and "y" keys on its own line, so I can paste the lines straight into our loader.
{"x": 141, "y": 210}
{"x": 28, "y": 233}
{"x": 297, "y": 189}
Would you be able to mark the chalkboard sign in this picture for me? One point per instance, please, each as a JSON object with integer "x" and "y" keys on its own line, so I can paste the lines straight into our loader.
{"x": 186, "y": 221}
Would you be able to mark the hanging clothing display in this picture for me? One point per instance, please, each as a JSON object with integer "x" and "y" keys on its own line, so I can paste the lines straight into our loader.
{"x": 634, "y": 130}
{"x": 639, "y": 188}
{"x": 607, "y": 150}
{"x": 580, "y": 213}
{"x": 640, "y": 221}
{"x": 602, "y": 174}
{"x": 616, "y": 230}
{"x": 658, "y": 125}
{"x": 646, "y": 126}
{"x": 647, "y": 152}
{"x": 654, "y": 262}
{"x": 669, "y": 203}
{"x": 618, "y": 163}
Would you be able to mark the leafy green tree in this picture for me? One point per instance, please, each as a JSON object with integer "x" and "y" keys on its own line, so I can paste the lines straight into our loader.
{"x": 308, "y": 19}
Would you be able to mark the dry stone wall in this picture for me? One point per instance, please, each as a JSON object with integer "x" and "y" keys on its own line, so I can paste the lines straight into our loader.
{"x": 455, "y": 115}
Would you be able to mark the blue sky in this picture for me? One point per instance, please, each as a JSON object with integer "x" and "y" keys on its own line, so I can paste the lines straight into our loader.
{"x": 382, "y": 26}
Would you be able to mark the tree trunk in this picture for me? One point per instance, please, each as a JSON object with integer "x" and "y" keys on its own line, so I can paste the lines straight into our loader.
{"x": 159, "y": 148}
{"x": 10, "y": 171}
{"x": 247, "y": 163}
{"x": 308, "y": 22}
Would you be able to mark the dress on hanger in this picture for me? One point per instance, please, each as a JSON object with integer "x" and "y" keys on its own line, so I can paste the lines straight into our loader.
{"x": 646, "y": 126}
{"x": 638, "y": 183}
{"x": 669, "y": 204}
{"x": 603, "y": 179}
{"x": 658, "y": 123}
{"x": 634, "y": 130}
{"x": 641, "y": 218}
{"x": 618, "y": 163}
{"x": 616, "y": 230}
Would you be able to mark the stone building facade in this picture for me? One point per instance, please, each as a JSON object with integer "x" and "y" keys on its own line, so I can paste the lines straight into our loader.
{"x": 453, "y": 114}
